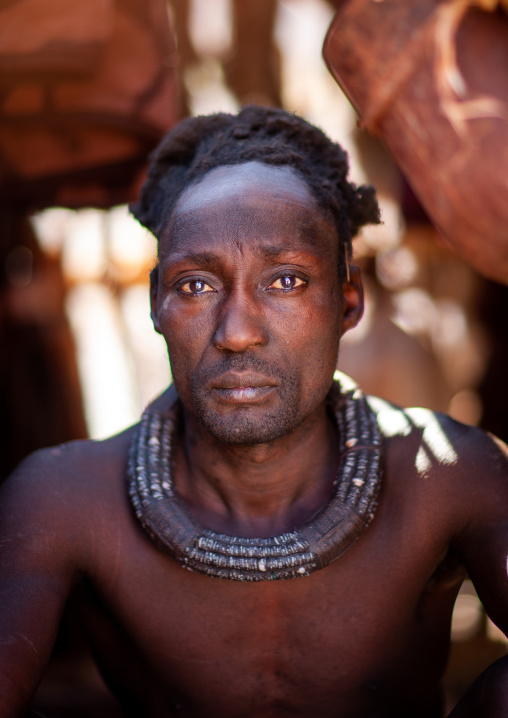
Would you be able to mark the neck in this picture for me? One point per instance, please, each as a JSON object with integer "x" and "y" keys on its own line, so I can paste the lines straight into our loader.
{"x": 316, "y": 543}
{"x": 262, "y": 489}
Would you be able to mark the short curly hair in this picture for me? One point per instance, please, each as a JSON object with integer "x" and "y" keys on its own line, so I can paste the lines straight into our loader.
{"x": 198, "y": 145}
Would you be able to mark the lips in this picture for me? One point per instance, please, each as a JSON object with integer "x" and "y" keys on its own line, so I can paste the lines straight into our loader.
{"x": 241, "y": 380}
{"x": 243, "y": 388}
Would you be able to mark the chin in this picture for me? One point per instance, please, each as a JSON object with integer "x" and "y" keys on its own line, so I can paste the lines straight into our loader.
{"x": 242, "y": 427}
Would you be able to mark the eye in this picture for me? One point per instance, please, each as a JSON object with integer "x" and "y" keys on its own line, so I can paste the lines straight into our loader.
{"x": 195, "y": 287}
{"x": 287, "y": 282}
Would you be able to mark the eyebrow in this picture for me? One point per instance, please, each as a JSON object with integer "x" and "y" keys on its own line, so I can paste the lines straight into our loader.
{"x": 281, "y": 253}
{"x": 273, "y": 252}
{"x": 209, "y": 259}
{"x": 204, "y": 259}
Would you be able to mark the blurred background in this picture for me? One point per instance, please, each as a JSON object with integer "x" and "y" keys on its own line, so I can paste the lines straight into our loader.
{"x": 79, "y": 111}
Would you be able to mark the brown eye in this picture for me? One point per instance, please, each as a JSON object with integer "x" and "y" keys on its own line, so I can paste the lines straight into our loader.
{"x": 195, "y": 286}
{"x": 287, "y": 282}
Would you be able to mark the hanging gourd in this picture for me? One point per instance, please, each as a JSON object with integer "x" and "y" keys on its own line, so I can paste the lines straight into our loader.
{"x": 431, "y": 79}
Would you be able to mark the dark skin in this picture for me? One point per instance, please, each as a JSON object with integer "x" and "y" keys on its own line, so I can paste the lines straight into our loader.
{"x": 249, "y": 301}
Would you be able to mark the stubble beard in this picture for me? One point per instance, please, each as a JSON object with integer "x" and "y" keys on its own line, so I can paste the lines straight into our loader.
{"x": 248, "y": 425}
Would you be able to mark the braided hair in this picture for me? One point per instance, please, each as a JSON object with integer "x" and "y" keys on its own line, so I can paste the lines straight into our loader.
{"x": 198, "y": 145}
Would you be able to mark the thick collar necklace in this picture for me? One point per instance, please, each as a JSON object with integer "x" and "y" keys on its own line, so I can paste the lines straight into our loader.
{"x": 323, "y": 539}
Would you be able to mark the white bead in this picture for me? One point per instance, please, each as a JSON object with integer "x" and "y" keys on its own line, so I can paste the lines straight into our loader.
{"x": 262, "y": 564}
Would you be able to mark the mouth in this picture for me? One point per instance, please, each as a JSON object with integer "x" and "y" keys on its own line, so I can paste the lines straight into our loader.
{"x": 243, "y": 388}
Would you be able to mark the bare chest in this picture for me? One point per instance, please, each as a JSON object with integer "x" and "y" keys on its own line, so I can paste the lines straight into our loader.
{"x": 361, "y": 637}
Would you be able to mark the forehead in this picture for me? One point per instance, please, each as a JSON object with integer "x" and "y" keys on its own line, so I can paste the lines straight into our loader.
{"x": 258, "y": 200}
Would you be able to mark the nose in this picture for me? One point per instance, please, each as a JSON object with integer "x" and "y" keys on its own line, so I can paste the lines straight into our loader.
{"x": 241, "y": 325}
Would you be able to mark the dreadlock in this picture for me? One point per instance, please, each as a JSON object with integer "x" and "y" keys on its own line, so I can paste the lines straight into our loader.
{"x": 200, "y": 144}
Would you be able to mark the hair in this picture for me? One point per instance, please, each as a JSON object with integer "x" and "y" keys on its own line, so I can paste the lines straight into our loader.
{"x": 198, "y": 145}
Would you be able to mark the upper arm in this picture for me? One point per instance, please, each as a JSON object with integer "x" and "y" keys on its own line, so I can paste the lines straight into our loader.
{"x": 38, "y": 564}
{"x": 483, "y": 542}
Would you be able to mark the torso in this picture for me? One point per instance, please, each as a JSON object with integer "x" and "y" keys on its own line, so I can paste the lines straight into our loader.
{"x": 367, "y": 636}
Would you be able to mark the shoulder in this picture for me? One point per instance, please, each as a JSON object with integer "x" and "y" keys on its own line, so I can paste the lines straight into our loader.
{"x": 69, "y": 467}
{"x": 58, "y": 496}
{"x": 444, "y": 440}
{"x": 459, "y": 464}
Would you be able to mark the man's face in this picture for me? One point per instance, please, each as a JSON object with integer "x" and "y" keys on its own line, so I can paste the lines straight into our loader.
{"x": 249, "y": 302}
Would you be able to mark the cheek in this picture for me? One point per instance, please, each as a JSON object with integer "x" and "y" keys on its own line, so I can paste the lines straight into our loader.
{"x": 187, "y": 333}
{"x": 311, "y": 334}
{"x": 326, "y": 324}
{"x": 320, "y": 355}
{"x": 184, "y": 319}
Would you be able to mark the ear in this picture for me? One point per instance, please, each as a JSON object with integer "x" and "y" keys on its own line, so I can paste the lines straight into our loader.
{"x": 352, "y": 293}
{"x": 154, "y": 289}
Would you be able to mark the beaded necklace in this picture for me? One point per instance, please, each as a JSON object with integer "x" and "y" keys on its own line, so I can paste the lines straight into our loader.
{"x": 314, "y": 545}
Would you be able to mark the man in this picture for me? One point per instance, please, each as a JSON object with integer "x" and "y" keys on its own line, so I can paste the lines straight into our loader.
{"x": 326, "y": 545}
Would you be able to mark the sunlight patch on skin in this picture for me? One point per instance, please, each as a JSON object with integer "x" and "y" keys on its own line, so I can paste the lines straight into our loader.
{"x": 391, "y": 420}
{"x": 435, "y": 445}
{"x": 434, "y": 438}
{"x": 423, "y": 462}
